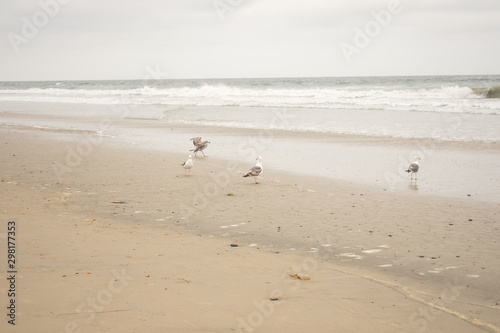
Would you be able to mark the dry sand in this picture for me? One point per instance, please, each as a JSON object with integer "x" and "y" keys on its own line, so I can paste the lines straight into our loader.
{"x": 118, "y": 239}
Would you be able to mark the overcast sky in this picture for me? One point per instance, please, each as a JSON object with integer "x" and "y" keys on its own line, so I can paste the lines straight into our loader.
{"x": 131, "y": 39}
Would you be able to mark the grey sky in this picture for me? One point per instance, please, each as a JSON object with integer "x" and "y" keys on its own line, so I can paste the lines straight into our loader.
{"x": 123, "y": 39}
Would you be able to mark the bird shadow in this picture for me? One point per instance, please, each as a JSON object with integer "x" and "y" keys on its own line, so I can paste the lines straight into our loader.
{"x": 413, "y": 187}
{"x": 251, "y": 183}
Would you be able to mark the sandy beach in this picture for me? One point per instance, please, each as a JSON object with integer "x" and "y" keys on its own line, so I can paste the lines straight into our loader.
{"x": 348, "y": 178}
{"x": 111, "y": 238}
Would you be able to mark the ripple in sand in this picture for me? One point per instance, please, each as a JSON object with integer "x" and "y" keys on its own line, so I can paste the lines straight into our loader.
{"x": 441, "y": 269}
{"x": 385, "y": 265}
{"x": 473, "y": 276}
{"x": 350, "y": 255}
{"x": 230, "y": 226}
{"x": 371, "y": 251}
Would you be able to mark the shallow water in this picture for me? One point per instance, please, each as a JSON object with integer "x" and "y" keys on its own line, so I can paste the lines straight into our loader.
{"x": 454, "y": 168}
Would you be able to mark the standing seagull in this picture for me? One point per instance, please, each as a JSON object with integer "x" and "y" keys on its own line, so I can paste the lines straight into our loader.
{"x": 256, "y": 170}
{"x": 200, "y": 146}
{"x": 413, "y": 168}
{"x": 188, "y": 165}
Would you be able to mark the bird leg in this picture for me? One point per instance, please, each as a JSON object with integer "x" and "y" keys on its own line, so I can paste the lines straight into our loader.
{"x": 255, "y": 178}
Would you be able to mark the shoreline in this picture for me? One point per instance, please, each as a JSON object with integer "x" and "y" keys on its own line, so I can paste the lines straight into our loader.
{"x": 448, "y": 168}
{"x": 367, "y": 240}
{"x": 156, "y": 113}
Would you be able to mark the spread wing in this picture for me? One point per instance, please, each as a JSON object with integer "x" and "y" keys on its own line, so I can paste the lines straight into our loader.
{"x": 196, "y": 141}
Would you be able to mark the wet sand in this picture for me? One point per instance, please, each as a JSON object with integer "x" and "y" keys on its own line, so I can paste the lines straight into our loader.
{"x": 448, "y": 168}
{"x": 115, "y": 238}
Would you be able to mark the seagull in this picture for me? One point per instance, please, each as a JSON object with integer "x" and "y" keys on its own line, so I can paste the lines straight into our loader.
{"x": 188, "y": 165}
{"x": 200, "y": 146}
{"x": 256, "y": 170}
{"x": 413, "y": 168}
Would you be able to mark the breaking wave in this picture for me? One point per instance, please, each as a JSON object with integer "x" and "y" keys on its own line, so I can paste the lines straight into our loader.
{"x": 444, "y": 99}
{"x": 489, "y": 92}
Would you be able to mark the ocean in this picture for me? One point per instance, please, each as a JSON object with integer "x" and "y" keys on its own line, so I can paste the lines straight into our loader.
{"x": 462, "y": 108}
{"x": 357, "y": 129}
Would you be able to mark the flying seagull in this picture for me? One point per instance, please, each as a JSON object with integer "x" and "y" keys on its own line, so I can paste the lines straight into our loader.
{"x": 256, "y": 170}
{"x": 200, "y": 146}
{"x": 188, "y": 165}
{"x": 413, "y": 168}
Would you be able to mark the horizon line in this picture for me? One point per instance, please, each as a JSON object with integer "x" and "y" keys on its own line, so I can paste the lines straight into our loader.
{"x": 251, "y": 77}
